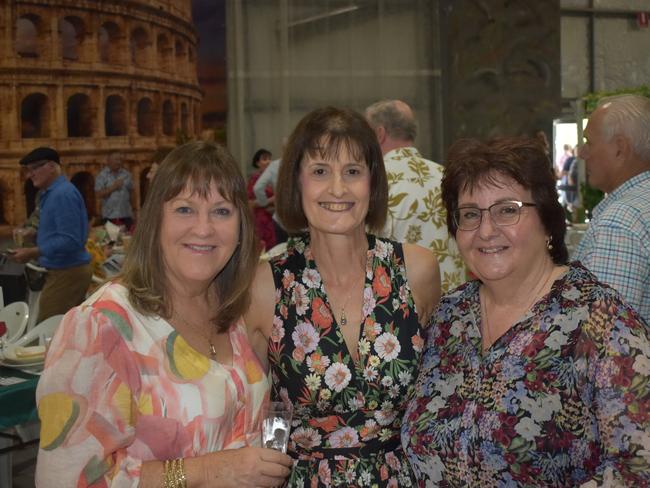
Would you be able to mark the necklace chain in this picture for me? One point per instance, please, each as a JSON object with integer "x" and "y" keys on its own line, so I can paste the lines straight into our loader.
{"x": 208, "y": 337}
{"x": 486, "y": 321}
{"x": 343, "y": 318}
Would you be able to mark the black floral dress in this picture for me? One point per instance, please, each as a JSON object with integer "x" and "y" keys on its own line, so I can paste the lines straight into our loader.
{"x": 347, "y": 414}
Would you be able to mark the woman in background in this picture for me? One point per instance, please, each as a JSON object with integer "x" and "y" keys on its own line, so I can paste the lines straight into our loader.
{"x": 534, "y": 374}
{"x": 152, "y": 381}
{"x": 264, "y": 226}
{"x": 341, "y": 312}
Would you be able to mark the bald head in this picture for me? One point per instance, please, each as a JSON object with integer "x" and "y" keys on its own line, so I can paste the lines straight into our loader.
{"x": 393, "y": 122}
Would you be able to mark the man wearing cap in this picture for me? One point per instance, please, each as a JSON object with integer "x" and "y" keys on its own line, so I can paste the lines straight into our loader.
{"x": 61, "y": 235}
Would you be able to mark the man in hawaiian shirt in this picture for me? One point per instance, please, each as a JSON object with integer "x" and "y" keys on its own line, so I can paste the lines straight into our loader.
{"x": 113, "y": 187}
{"x": 415, "y": 211}
{"x": 617, "y": 157}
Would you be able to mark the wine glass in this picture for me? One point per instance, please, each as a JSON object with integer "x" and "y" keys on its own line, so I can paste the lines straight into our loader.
{"x": 276, "y": 425}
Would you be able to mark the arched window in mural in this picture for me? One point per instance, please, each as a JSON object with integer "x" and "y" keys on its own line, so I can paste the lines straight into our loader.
{"x": 146, "y": 117}
{"x": 109, "y": 45}
{"x": 164, "y": 52}
{"x": 27, "y": 36}
{"x": 197, "y": 120}
{"x": 85, "y": 183}
{"x": 181, "y": 53}
{"x": 184, "y": 118}
{"x": 34, "y": 111}
{"x": 115, "y": 116}
{"x": 168, "y": 118}
{"x": 139, "y": 46}
{"x": 80, "y": 116}
{"x": 30, "y": 196}
{"x": 72, "y": 31}
{"x": 190, "y": 54}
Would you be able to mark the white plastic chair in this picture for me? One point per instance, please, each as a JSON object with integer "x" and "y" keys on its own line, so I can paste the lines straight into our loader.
{"x": 15, "y": 316}
{"x": 40, "y": 332}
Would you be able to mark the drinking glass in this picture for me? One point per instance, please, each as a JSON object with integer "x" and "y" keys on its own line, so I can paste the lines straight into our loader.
{"x": 276, "y": 425}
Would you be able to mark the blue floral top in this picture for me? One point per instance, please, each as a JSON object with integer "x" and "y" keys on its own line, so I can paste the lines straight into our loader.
{"x": 347, "y": 413}
{"x": 562, "y": 398}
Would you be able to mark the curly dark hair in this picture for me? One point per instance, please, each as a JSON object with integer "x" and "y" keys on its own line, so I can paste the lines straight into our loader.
{"x": 472, "y": 163}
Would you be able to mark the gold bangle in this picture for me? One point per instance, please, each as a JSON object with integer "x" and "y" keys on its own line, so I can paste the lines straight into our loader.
{"x": 174, "y": 473}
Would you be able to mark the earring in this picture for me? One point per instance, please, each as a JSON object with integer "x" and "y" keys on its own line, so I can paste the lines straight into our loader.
{"x": 549, "y": 243}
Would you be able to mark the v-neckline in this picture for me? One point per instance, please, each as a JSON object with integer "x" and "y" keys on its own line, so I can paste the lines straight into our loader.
{"x": 311, "y": 264}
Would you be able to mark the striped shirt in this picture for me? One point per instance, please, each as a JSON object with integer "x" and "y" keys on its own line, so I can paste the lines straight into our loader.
{"x": 616, "y": 246}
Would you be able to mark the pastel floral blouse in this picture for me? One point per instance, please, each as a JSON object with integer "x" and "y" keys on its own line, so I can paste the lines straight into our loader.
{"x": 561, "y": 399}
{"x": 119, "y": 388}
{"x": 347, "y": 414}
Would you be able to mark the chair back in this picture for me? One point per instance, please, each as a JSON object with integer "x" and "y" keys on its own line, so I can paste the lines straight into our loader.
{"x": 41, "y": 331}
{"x": 15, "y": 316}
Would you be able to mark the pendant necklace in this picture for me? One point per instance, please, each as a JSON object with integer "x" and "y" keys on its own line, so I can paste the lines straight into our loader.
{"x": 213, "y": 350}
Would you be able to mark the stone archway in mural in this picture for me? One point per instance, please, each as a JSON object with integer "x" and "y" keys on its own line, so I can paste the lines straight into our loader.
{"x": 30, "y": 192}
{"x": 85, "y": 183}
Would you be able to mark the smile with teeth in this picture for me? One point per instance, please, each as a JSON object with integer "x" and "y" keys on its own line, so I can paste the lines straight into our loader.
{"x": 492, "y": 250}
{"x": 336, "y": 206}
{"x": 199, "y": 248}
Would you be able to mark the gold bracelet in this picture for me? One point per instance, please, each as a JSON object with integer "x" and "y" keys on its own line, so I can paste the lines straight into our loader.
{"x": 174, "y": 473}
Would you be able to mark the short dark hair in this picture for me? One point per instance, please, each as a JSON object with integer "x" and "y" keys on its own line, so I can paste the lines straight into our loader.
{"x": 472, "y": 163}
{"x": 323, "y": 132}
{"x": 195, "y": 165}
{"x": 258, "y": 155}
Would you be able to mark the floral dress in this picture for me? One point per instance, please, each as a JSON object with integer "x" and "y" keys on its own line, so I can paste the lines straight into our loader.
{"x": 347, "y": 414}
{"x": 561, "y": 399}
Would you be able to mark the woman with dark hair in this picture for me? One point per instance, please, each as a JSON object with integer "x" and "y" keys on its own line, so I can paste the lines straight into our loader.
{"x": 264, "y": 226}
{"x": 535, "y": 373}
{"x": 341, "y": 312}
{"x": 152, "y": 381}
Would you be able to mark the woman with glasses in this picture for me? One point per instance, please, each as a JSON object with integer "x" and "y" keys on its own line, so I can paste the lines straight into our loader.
{"x": 534, "y": 374}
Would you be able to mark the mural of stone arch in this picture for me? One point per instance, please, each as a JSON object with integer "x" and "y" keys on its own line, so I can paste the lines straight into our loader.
{"x": 139, "y": 46}
{"x": 28, "y": 42}
{"x": 79, "y": 115}
{"x": 164, "y": 52}
{"x": 34, "y": 116}
{"x": 146, "y": 117}
{"x": 109, "y": 43}
{"x": 30, "y": 192}
{"x": 72, "y": 32}
{"x": 184, "y": 118}
{"x": 85, "y": 183}
{"x": 168, "y": 118}
{"x": 115, "y": 116}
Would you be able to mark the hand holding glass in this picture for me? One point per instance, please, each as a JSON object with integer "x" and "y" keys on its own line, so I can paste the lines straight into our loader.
{"x": 276, "y": 425}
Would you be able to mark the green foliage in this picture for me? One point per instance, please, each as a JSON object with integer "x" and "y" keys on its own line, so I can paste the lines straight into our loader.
{"x": 590, "y": 196}
{"x": 182, "y": 137}
{"x": 591, "y": 99}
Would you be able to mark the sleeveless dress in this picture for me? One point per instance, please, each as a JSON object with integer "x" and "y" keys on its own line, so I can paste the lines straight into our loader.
{"x": 347, "y": 414}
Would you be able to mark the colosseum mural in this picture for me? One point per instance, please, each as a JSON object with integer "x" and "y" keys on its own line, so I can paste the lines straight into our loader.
{"x": 89, "y": 78}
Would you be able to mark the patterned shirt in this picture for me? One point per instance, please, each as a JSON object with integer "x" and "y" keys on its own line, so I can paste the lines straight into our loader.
{"x": 120, "y": 388}
{"x": 616, "y": 246}
{"x": 116, "y": 205}
{"x": 415, "y": 211}
{"x": 560, "y": 399}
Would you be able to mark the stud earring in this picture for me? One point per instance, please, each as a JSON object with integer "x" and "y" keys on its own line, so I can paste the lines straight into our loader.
{"x": 549, "y": 243}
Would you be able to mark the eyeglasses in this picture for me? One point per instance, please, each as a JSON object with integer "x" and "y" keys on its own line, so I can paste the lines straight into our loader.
{"x": 501, "y": 213}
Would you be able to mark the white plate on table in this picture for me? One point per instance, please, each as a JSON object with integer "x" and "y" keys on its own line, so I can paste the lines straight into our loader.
{"x": 23, "y": 357}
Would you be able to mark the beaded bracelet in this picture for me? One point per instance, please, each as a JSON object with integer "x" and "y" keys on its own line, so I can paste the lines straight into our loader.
{"x": 174, "y": 474}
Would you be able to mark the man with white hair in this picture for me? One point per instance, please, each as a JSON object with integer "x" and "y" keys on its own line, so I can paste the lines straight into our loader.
{"x": 617, "y": 157}
{"x": 415, "y": 211}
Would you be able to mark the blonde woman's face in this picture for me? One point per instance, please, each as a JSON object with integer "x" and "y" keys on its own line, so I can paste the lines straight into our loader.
{"x": 198, "y": 237}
